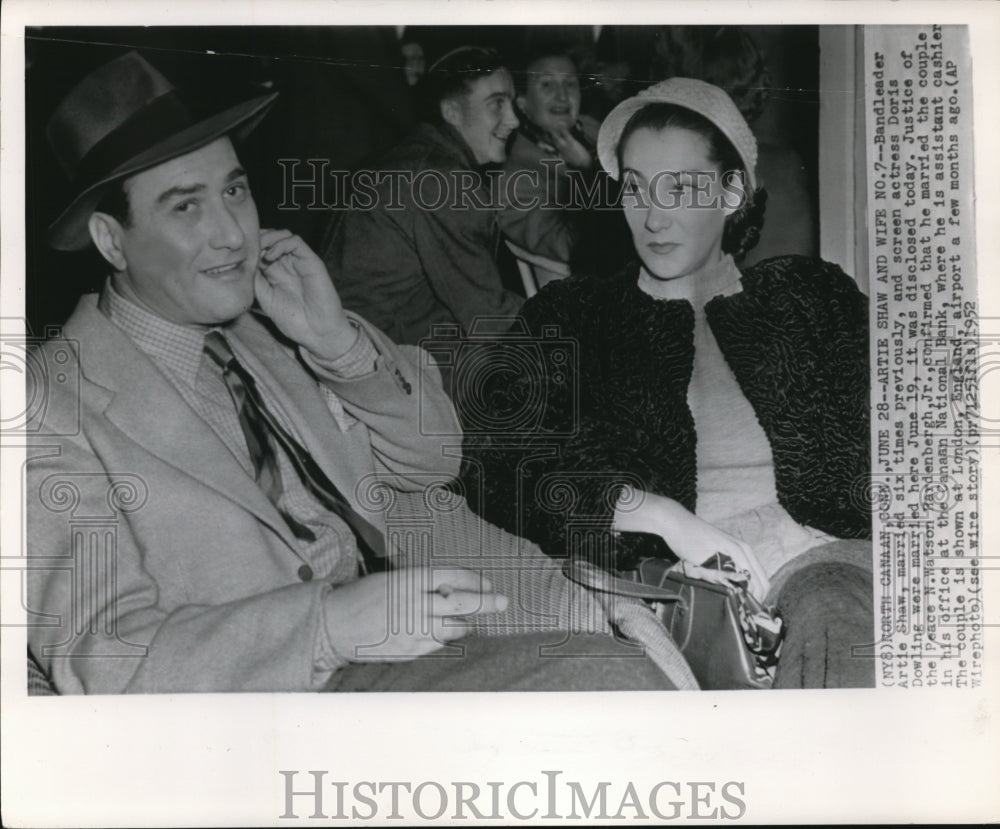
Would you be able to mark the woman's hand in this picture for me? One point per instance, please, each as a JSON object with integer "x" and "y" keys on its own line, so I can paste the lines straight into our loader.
{"x": 696, "y": 541}
{"x": 572, "y": 151}
{"x": 691, "y": 538}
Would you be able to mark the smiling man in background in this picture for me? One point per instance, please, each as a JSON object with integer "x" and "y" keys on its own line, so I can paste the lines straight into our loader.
{"x": 424, "y": 253}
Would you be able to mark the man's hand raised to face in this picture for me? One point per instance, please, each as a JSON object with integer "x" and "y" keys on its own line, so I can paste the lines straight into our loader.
{"x": 294, "y": 289}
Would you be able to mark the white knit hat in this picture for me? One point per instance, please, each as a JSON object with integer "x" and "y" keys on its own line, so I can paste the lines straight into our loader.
{"x": 704, "y": 98}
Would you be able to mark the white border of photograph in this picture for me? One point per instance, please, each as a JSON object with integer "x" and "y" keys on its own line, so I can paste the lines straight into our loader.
{"x": 807, "y": 756}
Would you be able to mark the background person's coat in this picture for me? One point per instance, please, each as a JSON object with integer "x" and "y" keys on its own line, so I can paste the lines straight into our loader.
{"x": 535, "y": 174}
{"x": 410, "y": 262}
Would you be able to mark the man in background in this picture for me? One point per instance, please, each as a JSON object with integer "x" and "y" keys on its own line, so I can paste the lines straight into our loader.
{"x": 423, "y": 252}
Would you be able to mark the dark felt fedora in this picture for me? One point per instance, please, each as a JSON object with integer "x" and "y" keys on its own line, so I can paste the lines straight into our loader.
{"x": 123, "y": 118}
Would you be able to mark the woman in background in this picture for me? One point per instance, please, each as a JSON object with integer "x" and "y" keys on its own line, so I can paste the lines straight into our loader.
{"x": 552, "y": 144}
{"x": 557, "y": 202}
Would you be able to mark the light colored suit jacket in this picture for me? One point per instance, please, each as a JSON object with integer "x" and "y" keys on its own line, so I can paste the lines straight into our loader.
{"x": 158, "y": 564}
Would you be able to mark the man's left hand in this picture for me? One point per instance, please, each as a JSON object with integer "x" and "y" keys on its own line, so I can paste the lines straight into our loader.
{"x": 294, "y": 289}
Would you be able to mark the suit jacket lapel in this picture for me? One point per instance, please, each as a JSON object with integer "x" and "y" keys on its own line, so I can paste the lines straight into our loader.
{"x": 147, "y": 408}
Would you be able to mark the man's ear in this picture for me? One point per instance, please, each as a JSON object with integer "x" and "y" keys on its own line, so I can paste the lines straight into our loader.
{"x": 734, "y": 191}
{"x": 106, "y": 234}
{"x": 521, "y": 101}
{"x": 451, "y": 111}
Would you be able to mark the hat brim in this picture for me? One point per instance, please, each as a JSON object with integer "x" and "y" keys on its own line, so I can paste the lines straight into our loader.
{"x": 70, "y": 231}
{"x": 613, "y": 126}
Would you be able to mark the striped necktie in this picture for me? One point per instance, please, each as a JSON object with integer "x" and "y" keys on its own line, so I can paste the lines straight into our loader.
{"x": 259, "y": 427}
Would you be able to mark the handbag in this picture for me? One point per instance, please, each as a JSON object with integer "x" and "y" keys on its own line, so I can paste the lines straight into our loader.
{"x": 729, "y": 639}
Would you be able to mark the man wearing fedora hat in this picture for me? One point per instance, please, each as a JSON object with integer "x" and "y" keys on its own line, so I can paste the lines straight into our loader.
{"x": 195, "y": 513}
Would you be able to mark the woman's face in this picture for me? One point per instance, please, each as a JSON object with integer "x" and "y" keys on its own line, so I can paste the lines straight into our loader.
{"x": 674, "y": 201}
{"x": 552, "y": 94}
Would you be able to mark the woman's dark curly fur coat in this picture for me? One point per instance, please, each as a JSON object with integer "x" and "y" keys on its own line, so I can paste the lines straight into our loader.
{"x": 597, "y": 396}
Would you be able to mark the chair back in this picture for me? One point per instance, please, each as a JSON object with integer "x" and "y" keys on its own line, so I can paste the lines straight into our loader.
{"x": 536, "y": 270}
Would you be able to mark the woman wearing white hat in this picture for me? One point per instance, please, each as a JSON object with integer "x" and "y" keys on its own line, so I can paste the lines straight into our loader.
{"x": 704, "y": 410}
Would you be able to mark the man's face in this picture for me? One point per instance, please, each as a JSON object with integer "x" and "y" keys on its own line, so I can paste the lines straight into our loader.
{"x": 191, "y": 248}
{"x": 552, "y": 94}
{"x": 484, "y": 116}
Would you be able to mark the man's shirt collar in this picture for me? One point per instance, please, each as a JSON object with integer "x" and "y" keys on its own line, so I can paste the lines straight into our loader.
{"x": 177, "y": 347}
